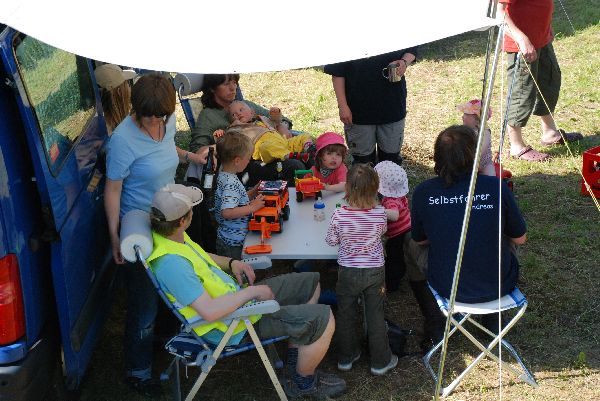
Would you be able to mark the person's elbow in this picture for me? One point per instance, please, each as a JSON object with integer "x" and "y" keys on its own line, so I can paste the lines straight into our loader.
{"x": 519, "y": 240}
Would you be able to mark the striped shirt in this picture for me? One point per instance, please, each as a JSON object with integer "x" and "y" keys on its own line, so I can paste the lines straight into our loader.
{"x": 358, "y": 233}
{"x": 401, "y": 225}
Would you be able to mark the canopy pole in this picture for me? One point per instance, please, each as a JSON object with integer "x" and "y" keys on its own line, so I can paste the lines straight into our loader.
{"x": 463, "y": 236}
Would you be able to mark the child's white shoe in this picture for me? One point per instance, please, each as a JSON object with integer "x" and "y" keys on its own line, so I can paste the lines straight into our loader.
{"x": 346, "y": 367}
{"x": 382, "y": 371}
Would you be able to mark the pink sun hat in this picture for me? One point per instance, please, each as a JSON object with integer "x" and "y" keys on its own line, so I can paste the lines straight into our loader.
{"x": 329, "y": 138}
{"x": 473, "y": 107}
{"x": 393, "y": 182}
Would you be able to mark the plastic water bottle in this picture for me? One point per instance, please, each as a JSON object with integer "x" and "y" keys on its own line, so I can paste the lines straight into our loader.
{"x": 319, "y": 210}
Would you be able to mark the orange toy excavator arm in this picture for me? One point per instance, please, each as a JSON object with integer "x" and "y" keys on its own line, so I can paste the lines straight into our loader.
{"x": 265, "y": 232}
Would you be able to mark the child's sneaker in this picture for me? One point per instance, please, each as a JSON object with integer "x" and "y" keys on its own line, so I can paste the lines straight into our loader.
{"x": 382, "y": 371}
{"x": 324, "y": 386}
{"x": 346, "y": 367}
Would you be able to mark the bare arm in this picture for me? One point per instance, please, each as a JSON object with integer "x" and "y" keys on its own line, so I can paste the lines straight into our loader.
{"x": 392, "y": 214}
{"x": 212, "y": 309}
{"x": 235, "y": 212}
{"x": 339, "y": 87}
{"x": 525, "y": 45}
{"x": 405, "y": 61}
{"x": 520, "y": 240}
{"x": 339, "y": 187}
{"x": 112, "y": 205}
{"x": 189, "y": 157}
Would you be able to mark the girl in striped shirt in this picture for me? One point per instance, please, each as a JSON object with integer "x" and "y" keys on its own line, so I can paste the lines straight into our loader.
{"x": 357, "y": 229}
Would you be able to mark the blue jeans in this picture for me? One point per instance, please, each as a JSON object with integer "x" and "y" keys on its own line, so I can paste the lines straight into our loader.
{"x": 142, "y": 303}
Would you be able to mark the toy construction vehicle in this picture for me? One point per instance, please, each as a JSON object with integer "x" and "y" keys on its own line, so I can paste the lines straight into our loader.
{"x": 269, "y": 218}
{"x": 307, "y": 185}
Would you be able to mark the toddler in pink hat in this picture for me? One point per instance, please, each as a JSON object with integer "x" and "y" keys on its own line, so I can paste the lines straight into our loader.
{"x": 329, "y": 162}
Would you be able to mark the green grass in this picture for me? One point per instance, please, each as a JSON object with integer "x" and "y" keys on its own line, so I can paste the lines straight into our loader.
{"x": 559, "y": 334}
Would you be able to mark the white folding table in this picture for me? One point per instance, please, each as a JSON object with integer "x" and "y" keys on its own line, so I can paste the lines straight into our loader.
{"x": 302, "y": 236}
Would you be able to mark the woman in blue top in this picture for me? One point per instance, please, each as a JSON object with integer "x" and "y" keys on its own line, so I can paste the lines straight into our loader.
{"x": 141, "y": 159}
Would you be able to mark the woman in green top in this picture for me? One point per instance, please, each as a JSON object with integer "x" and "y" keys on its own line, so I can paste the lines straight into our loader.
{"x": 218, "y": 92}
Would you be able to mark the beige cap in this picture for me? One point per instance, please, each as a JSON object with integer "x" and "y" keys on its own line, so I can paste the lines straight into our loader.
{"x": 109, "y": 76}
{"x": 175, "y": 200}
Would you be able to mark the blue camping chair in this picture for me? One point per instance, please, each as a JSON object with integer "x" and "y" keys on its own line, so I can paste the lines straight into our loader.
{"x": 463, "y": 313}
{"x": 187, "y": 347}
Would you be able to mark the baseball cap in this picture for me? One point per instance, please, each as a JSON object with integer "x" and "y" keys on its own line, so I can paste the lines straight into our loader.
{"x": 393, "y": 181}
{"x": 175, "y": 200}
{"x": 109, "y": 76}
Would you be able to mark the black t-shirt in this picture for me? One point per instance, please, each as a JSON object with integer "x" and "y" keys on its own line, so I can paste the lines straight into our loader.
{"x": 372, "y": 99}
{"x": 437, "y": 215}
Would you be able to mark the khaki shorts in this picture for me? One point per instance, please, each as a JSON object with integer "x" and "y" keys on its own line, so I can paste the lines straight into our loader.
{"x": 361, "y": 139}
{"x": 303, "y": 323}
{"x": 526, "y": 99}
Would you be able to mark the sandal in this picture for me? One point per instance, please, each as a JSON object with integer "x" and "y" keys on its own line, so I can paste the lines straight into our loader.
{"x": 565, "y": 136}
{"x": 531, "y": 155}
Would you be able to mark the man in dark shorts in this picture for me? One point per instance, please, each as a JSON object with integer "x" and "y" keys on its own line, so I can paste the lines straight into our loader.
{"x": 201, "y": 286}
{"x": 529, "y": 30}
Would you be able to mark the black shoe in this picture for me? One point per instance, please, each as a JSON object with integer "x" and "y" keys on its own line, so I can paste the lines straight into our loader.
{"x": 147, "y": 387}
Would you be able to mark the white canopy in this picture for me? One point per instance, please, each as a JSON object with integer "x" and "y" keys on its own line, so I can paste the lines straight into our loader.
{"x": 239, "y": 36}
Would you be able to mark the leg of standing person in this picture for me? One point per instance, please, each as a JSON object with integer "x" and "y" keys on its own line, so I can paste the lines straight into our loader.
{"x": 361, "y": 142}
{"x": 381, "y": 355}
{"x": 524, "y": 93}
{"x": 142, "y": 304}
{"x": 348, "y": 289}
{"x": 389, "y": 141}
{"x": 549, "y": 79}
{"x": 394, "y": 262}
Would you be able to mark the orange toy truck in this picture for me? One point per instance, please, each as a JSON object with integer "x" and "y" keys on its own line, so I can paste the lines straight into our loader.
{"x": 307, "y": 185}
{"x": 276, "y": 207}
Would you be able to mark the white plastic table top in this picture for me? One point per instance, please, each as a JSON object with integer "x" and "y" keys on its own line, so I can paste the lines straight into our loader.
{"x": 302, "y": 236}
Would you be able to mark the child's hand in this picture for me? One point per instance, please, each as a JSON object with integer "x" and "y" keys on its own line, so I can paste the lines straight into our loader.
{"x": 218, "y": 133}
{"x": 252, "y": 192}
{"x": 257, "y": 203}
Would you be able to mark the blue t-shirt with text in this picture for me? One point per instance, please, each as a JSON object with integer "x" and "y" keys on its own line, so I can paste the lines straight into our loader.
{"x": 437, "y": 215}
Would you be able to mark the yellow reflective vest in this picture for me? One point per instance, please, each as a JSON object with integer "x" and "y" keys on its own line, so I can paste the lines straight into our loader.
{"x": 211, "y": 282}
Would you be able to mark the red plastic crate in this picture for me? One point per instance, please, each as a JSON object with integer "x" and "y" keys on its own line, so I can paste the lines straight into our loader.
{"x": 591, "y": 171}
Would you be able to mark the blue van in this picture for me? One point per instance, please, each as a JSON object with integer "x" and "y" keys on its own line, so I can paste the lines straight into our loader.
{"x": 56, "y": 270}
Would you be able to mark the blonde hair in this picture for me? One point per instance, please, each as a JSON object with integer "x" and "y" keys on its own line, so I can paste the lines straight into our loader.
{"x": 116, "y": 104}
{"x": 362, "y": 184}
{"x": 233, "y": 144}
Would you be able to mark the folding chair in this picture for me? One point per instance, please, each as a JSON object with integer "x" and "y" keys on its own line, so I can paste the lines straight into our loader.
{"x": 187, "y": 347}
{"x": 464, "y": 312}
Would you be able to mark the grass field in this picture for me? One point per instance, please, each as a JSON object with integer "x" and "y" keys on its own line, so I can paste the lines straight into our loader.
{"x": 559, "y": 335}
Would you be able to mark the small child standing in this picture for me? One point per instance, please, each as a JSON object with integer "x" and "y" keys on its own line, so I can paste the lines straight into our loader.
{"x": 358, "y": 229}
{"x": 472, "y": 119}
{"x": 233, "y": 206}
{"x": 393, "y": 187}
{"x": 329, "y": 162}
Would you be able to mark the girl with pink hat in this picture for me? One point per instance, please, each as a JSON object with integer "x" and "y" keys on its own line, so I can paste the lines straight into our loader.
{"x": 329, "y": 162}
{"x": 472, "y": 119}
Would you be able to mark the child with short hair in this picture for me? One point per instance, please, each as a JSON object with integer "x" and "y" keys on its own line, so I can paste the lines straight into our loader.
{"x": 357, "y": 229}
{"x": 233, "y": 206}
{"x": 272, "y": 140}
{"x": 329, "y": 161}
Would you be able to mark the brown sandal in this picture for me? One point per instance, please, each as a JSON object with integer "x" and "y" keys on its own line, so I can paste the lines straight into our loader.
{"x": 531, "y": 155}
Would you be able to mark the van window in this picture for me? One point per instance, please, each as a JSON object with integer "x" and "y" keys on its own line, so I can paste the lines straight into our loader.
{"x": 60, "y": 92}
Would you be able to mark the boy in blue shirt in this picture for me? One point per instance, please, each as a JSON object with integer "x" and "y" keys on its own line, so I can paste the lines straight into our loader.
{"x": 233, "y": 206}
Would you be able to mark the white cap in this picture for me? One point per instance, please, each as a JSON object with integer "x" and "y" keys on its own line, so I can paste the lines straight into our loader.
{"x": 175, "y": 200}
